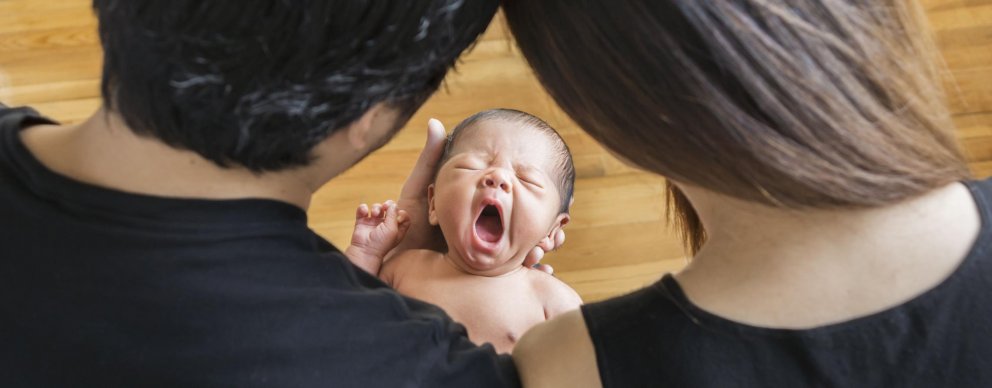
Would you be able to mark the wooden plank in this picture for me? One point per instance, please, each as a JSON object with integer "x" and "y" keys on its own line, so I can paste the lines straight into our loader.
{"x": 614, "y": 245}
{"x": 982, "y": 169}
{"x": 603, "y": 283}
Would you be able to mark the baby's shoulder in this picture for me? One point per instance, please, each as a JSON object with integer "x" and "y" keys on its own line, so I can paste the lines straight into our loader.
{"x": 409, "y": 260}
{"x": 557, "y": 295}
{"x": 541, "y": 279}
{"x": 413, "y": 255}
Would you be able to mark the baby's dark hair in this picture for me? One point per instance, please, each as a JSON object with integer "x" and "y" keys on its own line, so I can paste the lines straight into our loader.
{"x": 564, "y": 167}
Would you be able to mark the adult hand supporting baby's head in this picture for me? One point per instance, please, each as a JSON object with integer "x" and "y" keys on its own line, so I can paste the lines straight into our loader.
{"x": 413, "y": 200}
{"x": 413, "y": 196}
{"x": 535, "y": 255}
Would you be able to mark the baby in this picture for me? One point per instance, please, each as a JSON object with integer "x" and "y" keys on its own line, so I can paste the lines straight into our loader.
{"x": 504, "y": 184}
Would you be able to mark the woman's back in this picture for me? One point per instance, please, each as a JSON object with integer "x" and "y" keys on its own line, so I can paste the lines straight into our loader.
{"x": 658, "y": 337}
{"x": 813, "y": 172}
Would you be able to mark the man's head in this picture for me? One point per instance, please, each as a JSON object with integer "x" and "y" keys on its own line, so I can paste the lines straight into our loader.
{"x": 259, "y": 84}
{"x": 504, "y": 183}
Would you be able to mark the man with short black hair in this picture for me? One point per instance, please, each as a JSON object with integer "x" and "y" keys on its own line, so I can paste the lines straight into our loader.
{"x": 164, "y": 242}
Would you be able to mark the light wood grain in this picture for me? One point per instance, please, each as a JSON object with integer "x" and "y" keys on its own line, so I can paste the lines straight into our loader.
{"x": 50, "y": 58}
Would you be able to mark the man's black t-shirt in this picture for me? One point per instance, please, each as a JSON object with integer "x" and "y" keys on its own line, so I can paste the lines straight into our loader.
{"x": 105, "y": 288}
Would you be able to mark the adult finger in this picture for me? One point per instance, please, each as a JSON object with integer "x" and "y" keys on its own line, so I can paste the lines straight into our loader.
{"x": 559, "y": 239}
{"x": 402, "y": 225}
{"x": 546, "y": 268}
{"x": 423, "y": 171}
{"x": 534, "y": 257}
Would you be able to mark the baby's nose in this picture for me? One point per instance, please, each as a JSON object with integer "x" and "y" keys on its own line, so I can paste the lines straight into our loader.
{"x": 496, "y": 180}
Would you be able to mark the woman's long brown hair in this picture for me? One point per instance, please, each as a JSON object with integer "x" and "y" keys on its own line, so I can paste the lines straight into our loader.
{"x": 788, "y": 103}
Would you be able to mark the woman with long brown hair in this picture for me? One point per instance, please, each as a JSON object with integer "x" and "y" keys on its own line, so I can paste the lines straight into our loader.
{"x": 836, "y": 239}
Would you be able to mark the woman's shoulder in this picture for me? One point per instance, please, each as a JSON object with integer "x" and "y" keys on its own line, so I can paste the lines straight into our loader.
{"x": 558, "y": 353}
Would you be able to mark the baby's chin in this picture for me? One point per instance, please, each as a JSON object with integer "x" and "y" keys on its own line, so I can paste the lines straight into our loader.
{"x": 487, "y": 265}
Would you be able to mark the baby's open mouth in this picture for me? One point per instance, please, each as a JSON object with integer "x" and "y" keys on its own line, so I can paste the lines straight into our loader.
{"x": 489, "y": 226}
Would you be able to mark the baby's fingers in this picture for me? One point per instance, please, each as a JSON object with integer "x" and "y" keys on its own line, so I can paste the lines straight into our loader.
{"x": 391, "y": 212}
{"x": 376, "y": 210}
{"x": 362, "y": 211}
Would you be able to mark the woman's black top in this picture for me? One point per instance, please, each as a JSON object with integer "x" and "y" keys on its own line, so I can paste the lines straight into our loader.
{"x": 656, "y": 337}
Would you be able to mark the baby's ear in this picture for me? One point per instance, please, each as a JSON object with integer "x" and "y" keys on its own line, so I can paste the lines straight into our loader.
{"x": 431, "y": 211}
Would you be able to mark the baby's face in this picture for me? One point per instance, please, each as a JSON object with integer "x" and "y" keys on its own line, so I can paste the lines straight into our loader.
{"x": 496, "y": 197}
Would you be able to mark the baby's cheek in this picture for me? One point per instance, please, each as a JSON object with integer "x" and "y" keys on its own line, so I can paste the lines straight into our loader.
{"x": 529, "y": 228}
{"x": 462, "y": 213}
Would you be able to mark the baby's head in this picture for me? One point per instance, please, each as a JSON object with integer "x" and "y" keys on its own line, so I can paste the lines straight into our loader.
{"x": 504, "y": 184}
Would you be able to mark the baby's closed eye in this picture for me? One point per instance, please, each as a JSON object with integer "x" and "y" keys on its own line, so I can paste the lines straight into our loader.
{"x": 531, "y": 180}
{"x": 470, "y": 164}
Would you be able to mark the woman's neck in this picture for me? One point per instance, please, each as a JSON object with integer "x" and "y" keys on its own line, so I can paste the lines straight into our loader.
{"x": 759, "y": 261}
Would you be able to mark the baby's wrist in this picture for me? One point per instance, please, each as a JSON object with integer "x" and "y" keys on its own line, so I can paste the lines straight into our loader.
{"x": 363, "y": 252}
{"x": 364, "y": 258}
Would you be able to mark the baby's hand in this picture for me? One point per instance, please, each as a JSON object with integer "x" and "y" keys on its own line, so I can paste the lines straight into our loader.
{"x": 377, "y": 231}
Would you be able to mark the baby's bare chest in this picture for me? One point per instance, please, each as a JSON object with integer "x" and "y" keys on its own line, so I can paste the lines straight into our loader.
{"x": 487, "y": 306}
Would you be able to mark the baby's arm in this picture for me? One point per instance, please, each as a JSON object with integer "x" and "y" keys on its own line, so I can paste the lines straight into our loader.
{"x": 377, "y": 230}
{"x": 557, "y": 296}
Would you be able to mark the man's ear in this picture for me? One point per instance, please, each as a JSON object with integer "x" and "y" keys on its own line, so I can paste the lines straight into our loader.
{"x": 360, "y": 131}
{"x": 431, "y": 211}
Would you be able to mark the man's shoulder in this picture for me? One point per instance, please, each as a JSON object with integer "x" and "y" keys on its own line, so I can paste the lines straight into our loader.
{"x": 408, "y": 340}
{"x": 21, "y": 116}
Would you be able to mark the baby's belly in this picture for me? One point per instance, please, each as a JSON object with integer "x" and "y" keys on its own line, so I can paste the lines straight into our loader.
{"x": 499, "y": 318}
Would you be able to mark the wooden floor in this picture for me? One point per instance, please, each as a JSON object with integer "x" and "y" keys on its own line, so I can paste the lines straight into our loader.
{"x": 617, "y": 241}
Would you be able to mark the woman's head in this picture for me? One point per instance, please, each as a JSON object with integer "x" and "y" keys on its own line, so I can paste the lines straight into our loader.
{"x": 789, "y": 103}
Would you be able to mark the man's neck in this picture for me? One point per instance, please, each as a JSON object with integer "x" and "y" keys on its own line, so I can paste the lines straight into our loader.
{"x": 102, "y": 151}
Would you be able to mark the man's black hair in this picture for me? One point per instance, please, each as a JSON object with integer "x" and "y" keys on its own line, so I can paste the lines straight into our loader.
{"x": 260, "y": 83}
